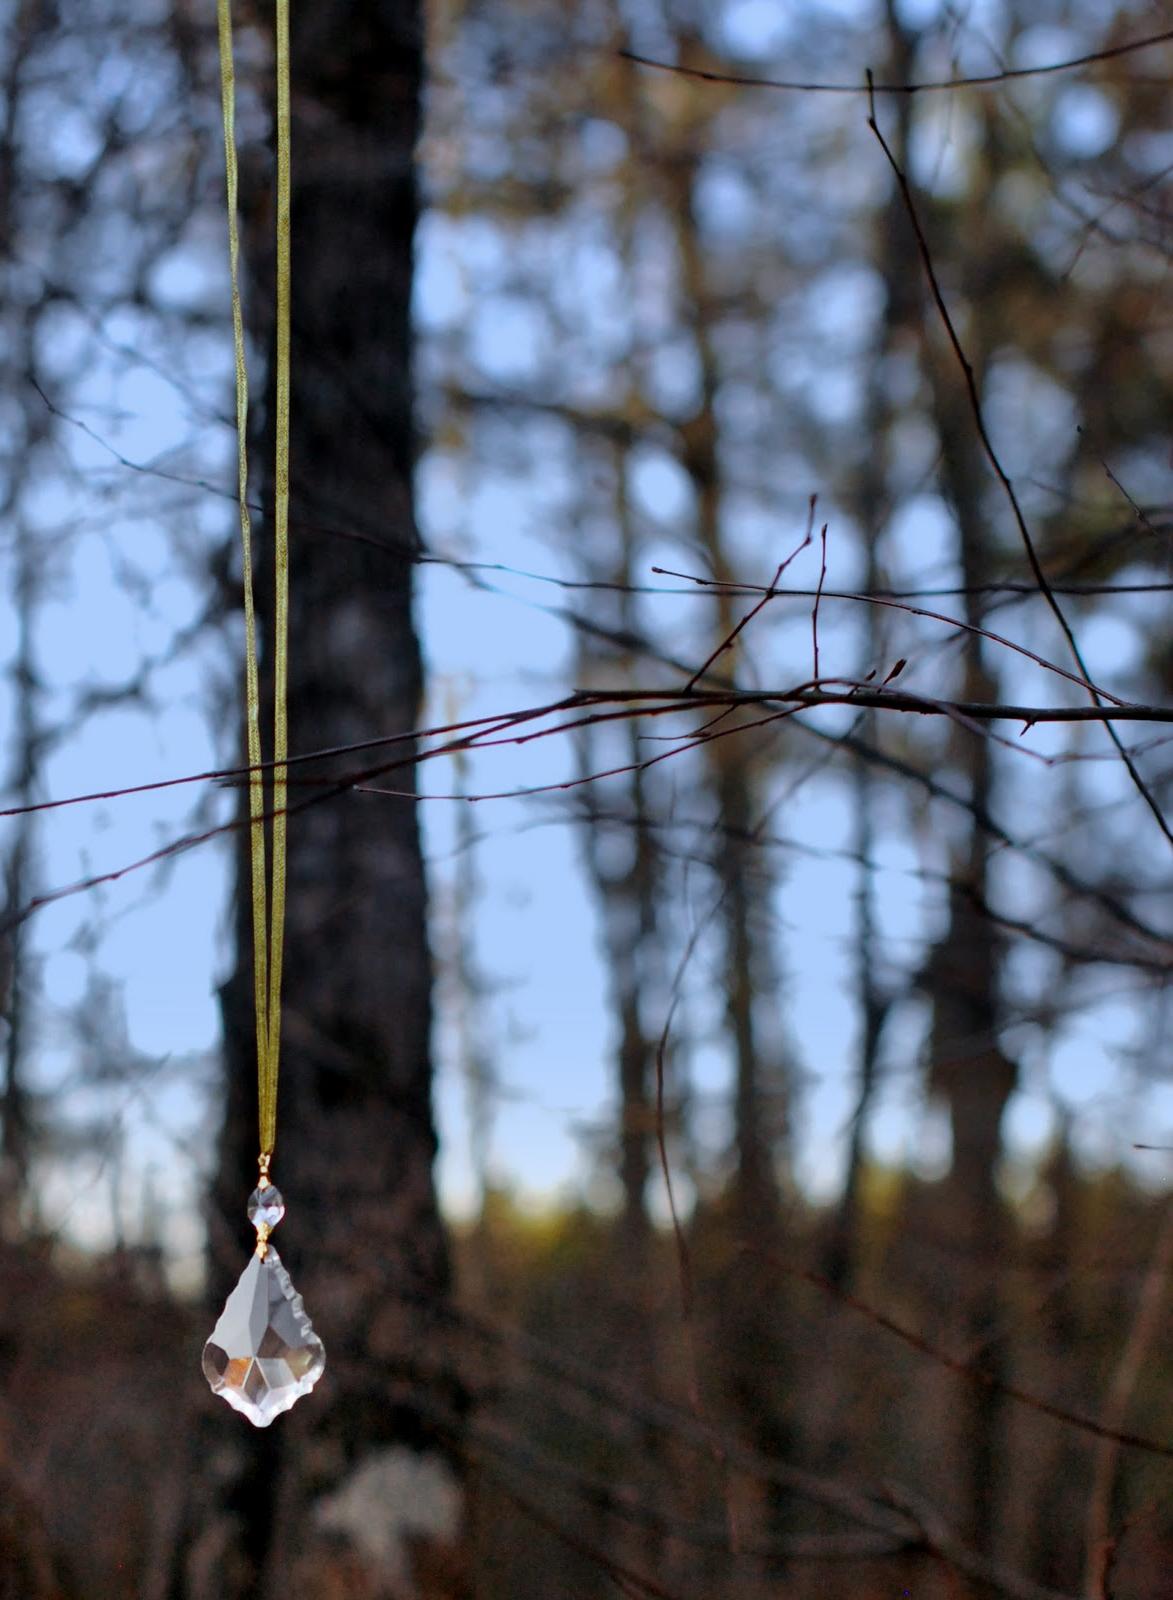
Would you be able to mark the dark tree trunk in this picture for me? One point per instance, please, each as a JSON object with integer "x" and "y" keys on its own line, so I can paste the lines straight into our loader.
{"x": 26, "y": 738}
{"x": 967, "y": 1067}
{"x": 872, "y": 499}
{"x": 625, "y": 874}
{"x": 359, "y": 1490}
{"x": 15, "y": 1120}
{"x": 752, "y": 1313}
{"x": 734, "y": 767}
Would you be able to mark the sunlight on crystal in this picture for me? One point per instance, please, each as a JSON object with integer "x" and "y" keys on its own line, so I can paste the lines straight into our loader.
{"x": 263, "y": 1354}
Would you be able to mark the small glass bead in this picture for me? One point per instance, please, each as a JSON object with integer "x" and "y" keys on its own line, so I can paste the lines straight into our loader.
{"x": 265, "y": 1207}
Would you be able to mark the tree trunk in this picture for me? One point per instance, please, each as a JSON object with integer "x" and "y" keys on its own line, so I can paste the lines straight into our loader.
{"x": 25, "y": 739}
{"x": 751, "y": 1314}
{"x": 734, "y": 767}
{"x": 872, "y": 503}
{"x": 359, "y": 1491}
{"x": 967, "y": 1067}
{"x": 15, "y": 1118}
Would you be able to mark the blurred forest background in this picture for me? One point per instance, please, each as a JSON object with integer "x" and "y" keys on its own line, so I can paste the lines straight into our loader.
{"x": 794, "y": 1023}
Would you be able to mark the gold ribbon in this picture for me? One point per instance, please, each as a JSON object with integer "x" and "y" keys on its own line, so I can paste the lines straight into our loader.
{"x": 268, "y": 899}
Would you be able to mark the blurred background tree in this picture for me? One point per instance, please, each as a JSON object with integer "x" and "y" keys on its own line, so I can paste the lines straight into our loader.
{"x": 886, "y": 993}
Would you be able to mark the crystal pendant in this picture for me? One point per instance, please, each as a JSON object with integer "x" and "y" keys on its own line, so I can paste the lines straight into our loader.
{"x": 263, "y": 1354}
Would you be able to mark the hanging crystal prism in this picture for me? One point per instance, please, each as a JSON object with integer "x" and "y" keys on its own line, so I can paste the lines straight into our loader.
{"x": 263, "y": 1354}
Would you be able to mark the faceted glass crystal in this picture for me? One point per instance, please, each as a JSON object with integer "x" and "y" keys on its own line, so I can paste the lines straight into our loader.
{"x": 266, "y": 1207}
{"x": 263, "y": 1354}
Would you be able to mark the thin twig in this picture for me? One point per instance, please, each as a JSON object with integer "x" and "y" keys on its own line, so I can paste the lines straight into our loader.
{"x": 965, "y": 1369}
{"x": 684, "y": 1263}
{"x": 919, "y": 611}
{"x": 728, "y": 642}
{"x": 979, "y": 80}
{"x": 1098, "y": 1537}
{"x": 613, "y": 705}
{"x": 818, "y": 597}
{"x": 995, "y": 461}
